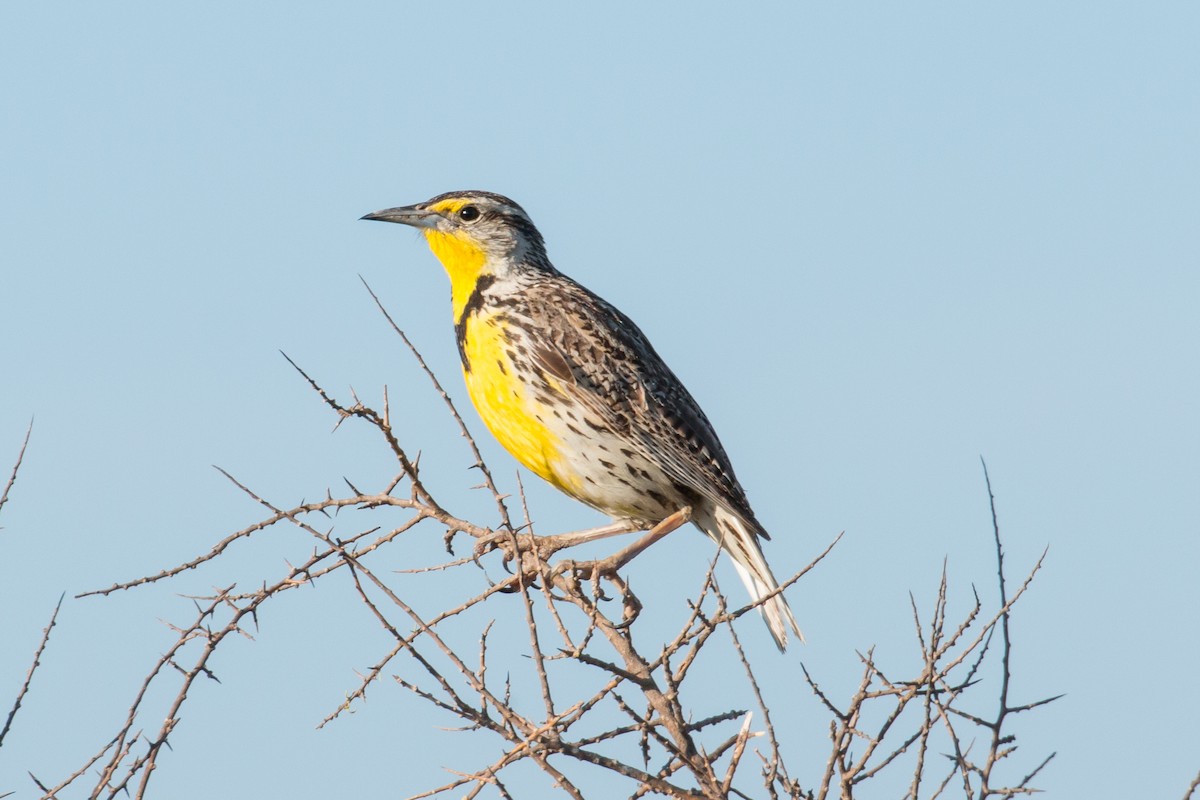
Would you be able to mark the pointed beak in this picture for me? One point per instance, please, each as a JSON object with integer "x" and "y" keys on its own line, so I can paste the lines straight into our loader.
{"x": 415, "y": 216}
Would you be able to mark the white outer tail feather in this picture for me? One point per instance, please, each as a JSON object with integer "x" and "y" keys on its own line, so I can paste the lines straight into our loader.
{"x": 740, "y": 541}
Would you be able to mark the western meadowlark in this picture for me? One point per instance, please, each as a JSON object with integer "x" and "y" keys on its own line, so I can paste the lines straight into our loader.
{"x": 573, "y": 389}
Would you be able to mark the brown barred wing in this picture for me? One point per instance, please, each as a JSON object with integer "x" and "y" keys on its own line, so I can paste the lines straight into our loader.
{"x": 612, "y": 369}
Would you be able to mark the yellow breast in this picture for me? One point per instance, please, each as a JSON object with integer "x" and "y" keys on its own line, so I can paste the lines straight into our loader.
{"x": 500, "y": 395}
{"x": 508, "y": 408}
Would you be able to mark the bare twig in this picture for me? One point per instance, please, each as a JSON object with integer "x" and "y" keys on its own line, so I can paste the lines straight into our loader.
{"x": 1192, "y": 788}
{"x": 12, "y": 478}
{"x": 462, "y": 426}
{"x": 37, "y": 661}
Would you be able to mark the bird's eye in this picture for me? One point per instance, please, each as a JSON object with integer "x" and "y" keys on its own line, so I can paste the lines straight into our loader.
{"x": 468, "y": 213}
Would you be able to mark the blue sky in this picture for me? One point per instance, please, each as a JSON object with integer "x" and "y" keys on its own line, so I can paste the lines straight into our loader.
{"x": 876, "y": 242}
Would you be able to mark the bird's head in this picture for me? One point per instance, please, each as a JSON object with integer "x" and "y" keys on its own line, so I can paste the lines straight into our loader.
{"x": 474, "y": 233}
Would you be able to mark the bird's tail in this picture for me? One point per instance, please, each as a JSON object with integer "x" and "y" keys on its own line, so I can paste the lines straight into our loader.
{"x": 739, "y": 538}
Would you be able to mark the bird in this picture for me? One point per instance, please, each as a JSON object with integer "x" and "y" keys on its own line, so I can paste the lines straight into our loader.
{"x": 573, "y": 389}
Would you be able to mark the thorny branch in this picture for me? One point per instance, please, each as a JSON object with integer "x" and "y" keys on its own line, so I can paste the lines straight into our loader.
{"x": 12, "y": 478}
{"x": 41, "y": 648}
{"x": 1191, "y": 790}
{"x": 37, "y": 662}
{"x": 636, "y": 720}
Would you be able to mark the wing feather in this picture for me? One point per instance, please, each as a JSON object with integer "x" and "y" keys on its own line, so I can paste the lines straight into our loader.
{"x": 608, "y": 365}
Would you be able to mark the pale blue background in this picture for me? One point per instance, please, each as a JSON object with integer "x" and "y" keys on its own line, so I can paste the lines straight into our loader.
{"x": 876, "y": 241}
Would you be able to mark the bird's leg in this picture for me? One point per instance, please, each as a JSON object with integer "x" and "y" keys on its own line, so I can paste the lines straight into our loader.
{"x": 622, "y": 557}
{"x": 542, "y": 548}
{"x": 608, "y": 567}
{"x": 549, "y": 545}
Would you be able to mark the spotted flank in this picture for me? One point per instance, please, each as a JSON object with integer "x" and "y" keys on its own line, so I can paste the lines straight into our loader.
{"x": 572, "y": 388}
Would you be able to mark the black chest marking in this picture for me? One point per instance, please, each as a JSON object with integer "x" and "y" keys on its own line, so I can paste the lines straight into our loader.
{"x": 473, "y": 304}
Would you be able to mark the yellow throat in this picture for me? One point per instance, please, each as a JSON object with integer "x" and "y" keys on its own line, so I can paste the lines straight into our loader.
{"x": 463, "y": 261}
